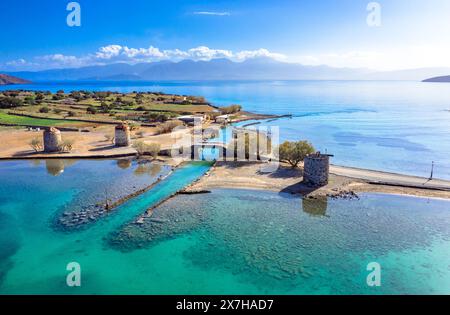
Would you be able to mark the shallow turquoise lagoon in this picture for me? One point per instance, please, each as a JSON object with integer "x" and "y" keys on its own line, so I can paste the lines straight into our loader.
{"x": 229, "y": 241}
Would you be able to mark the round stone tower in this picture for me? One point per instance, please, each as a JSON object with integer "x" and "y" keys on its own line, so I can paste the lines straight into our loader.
{"x": 122, "y": 136}
{"x": 317, "y": 169}
{"x": 52, "y": 140}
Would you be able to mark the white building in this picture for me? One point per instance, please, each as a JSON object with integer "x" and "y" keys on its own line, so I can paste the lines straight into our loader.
{"x": 223, "y": 119}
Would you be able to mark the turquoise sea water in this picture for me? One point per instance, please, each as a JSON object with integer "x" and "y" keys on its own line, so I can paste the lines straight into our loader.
{"x": 389, "y": 125}
{"x": 229, "y": 241}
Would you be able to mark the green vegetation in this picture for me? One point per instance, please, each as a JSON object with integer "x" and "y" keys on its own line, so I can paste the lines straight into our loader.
{"x": 232, "y": 109}
{"x": 44, "y": 110}
{"x": 28, "y": 121}
{"x": 168, "y": 126}
{"x": 36, "y": 144}
{"x": 107, "y": 106}
{"x": 67, "y": 145}
{"x": 295, "y": 152}
{"x": 84, "y": 108}
{"x": 10, "y": 102}
{"x": 151, "y": 149}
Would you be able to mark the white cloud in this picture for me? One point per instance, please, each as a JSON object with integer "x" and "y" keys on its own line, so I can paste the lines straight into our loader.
{"x": 205, "y": 53}
{"x": 108, "y": 52}
{"x": 151, "y": 52}
{"x": 17, "y": 62}
{"x": 118, "y": 53}
{"x": 262, "y": 52}
{"x": 214, "y": 13}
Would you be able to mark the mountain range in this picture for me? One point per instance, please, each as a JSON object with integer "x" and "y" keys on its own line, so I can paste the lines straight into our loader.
{"x": 222, "y": 69}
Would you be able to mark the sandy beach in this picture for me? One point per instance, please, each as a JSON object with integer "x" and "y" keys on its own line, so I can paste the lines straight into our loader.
{"x": 14, "y": 143}
{"x": 343, "y": 181}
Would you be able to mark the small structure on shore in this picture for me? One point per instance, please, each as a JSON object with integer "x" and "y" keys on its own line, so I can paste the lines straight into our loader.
{"x": 223, "y": 119}
{"x": 192, "y": 119}
{"x": 122, "y": 136}
{"x": 52, "y": 140}
{"x": 317, "y": 169}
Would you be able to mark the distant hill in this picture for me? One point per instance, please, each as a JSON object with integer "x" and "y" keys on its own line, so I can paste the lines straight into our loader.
{"x": 216, "y": 69}
{"x": 439, "y": 79}
{"x": 222, "y": 69}
{"x": 8, "y": 79}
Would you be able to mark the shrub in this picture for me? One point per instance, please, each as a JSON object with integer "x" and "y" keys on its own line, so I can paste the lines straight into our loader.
{"x": 30, "y": 100}
{"x": 151, "y": 149}
{"x": 58, "y": 97}
{"x": 71, "y": 114}
{"x": 67, "y": 145}
{"x": 133, "y": 126}
{"x": 10, "y": 102}
{"x": 91, "y": 110}
{"x": 102, "y": 95}
{"x": 232, "y": 109}
{"x": 36, "y": 144}
{"x": 105, "y": 108}
{"x": 44, "y": 110}
{"x": 295, "y": 152}
{"x": 168, "y": 126}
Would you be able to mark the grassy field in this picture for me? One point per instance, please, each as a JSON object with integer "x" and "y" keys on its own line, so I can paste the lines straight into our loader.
{"x": 27, "y": 121}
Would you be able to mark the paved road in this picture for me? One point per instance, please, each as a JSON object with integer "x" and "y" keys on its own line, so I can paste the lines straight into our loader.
{"x": 390, "y": 178}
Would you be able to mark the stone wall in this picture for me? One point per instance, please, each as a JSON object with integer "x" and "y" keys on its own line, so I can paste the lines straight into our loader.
{"x": 122, "y": 136}
{"x": 317, "y": 169}
{"x": 52, "y": 140}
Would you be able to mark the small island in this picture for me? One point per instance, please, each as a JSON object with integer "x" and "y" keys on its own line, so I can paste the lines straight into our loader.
{"x": 442, "y": 79}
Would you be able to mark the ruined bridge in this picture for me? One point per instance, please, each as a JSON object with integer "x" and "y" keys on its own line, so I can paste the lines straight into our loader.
{"x": 197, "y": 149}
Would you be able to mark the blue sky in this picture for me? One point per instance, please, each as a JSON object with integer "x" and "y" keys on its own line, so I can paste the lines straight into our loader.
{"x": 413, "y": 33}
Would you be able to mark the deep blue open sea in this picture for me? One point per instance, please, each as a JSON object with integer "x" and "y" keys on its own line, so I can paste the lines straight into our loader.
{"x": 392, "y": 126}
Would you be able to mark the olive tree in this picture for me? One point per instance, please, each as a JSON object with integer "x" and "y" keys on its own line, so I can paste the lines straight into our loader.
{"x": 295, "y": 152}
